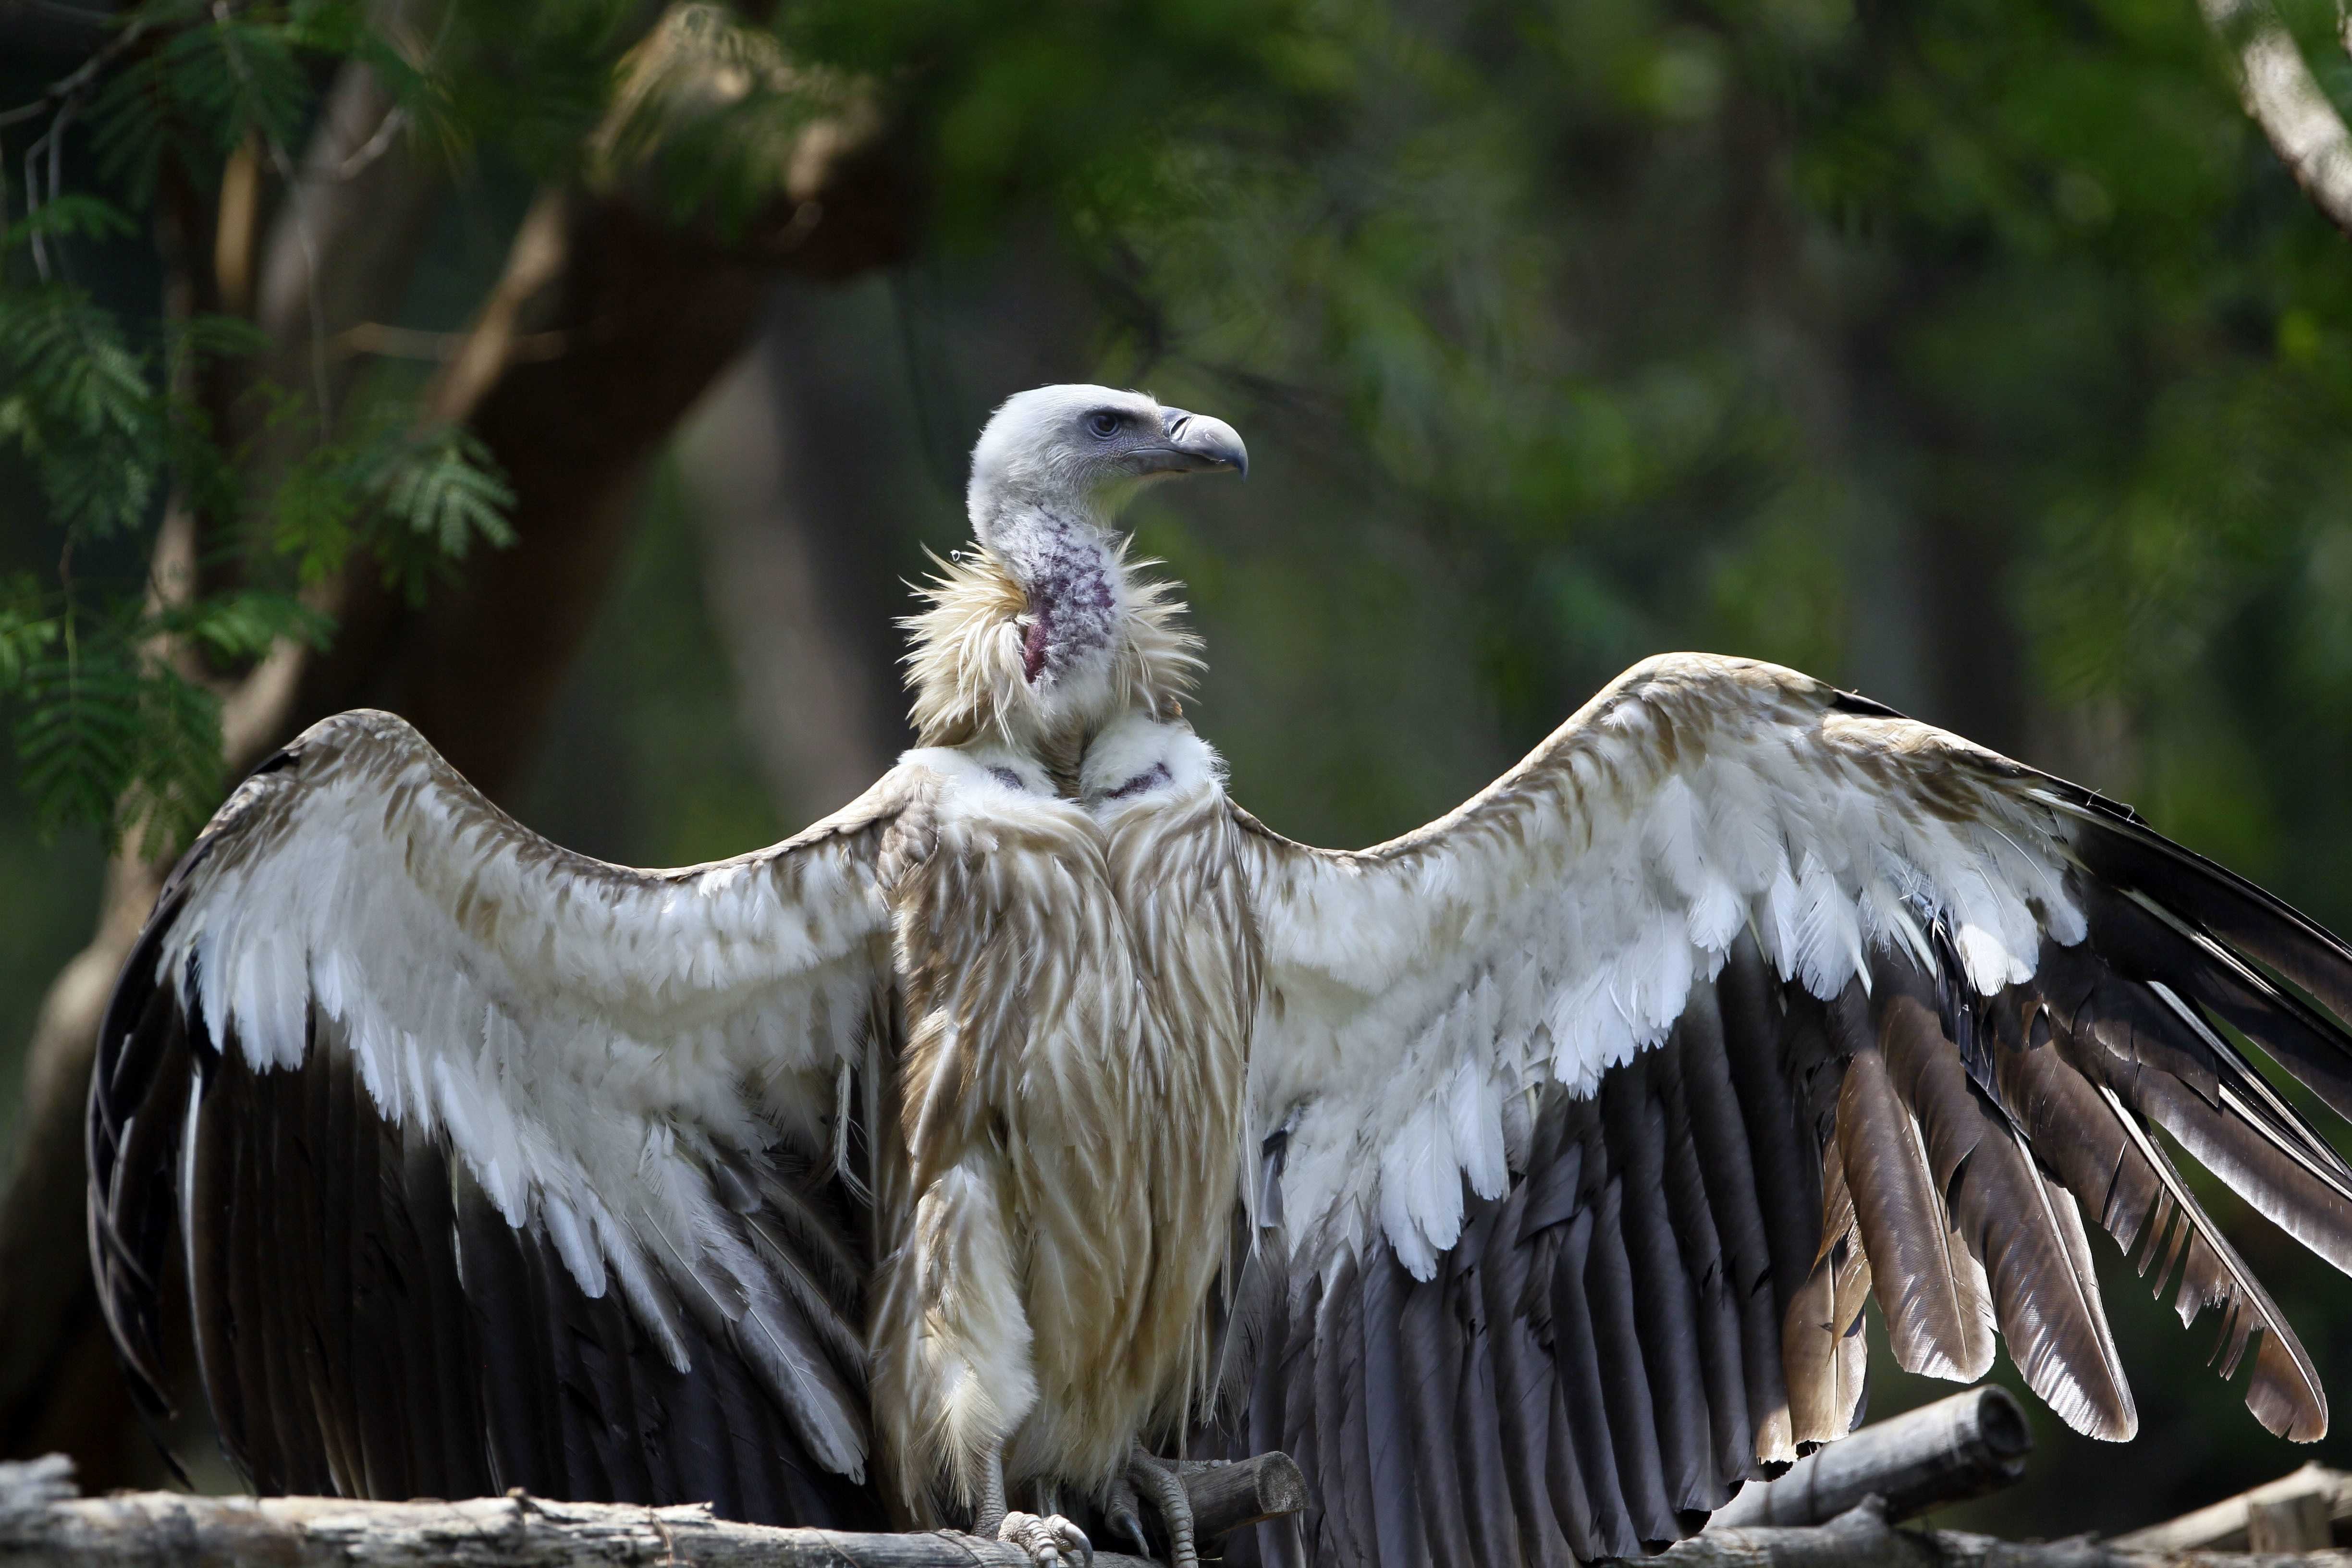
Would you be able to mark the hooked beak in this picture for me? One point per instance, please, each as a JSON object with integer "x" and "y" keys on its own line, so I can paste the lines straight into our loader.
{"x": 1196, "y": 444}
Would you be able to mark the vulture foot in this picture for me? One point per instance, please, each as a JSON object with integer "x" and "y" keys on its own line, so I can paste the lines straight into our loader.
{"x": 1155, "y": 1478}
{"x": 1051, "y": 1542}
{"x": 1124, "y": 1510}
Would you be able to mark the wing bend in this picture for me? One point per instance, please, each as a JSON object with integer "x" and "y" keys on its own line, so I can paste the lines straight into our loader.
{"x": 491, "y": 1165}
{"x": 1593, "y": 1112}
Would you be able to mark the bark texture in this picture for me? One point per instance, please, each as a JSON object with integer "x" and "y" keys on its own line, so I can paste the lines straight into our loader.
{"x": 1956, "y": 1448}
{"x": 1861, "y": 1538}
{"x": 44, "y": 1525}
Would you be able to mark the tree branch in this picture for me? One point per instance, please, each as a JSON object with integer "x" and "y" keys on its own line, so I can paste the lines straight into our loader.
{"x": 2284, "y": 99}
{"x": 1958, "y": 1448}
{"x": 2226, "y": 1526}
{"x": 43, "y": 1525}
{"x": 1861, "y": 1538}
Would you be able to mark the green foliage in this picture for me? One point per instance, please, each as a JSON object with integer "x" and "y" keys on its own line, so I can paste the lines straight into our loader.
{"x": 216, "y": 76}
{"x": 114, "y": 683}
{"x": 418, "y": 500}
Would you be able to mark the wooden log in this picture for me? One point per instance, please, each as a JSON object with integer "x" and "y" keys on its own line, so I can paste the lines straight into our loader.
{"x": 2224, "y": 1526}
{"x": 1863, "y": 1538}
{"x": 1226, "y": 1496}
{"x": 2295, "y": 1523}
{"x": 33, "y": 1483}
{"x": 43, "y": 1525}
{"x": 1959, "y": 1447}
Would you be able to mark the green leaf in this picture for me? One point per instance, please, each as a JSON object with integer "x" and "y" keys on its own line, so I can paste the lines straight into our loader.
{"x": 447, "y": 489}
{"x": 78, "y": 742}
{"x": 74, "y": 213}
{"x": 244, "y": 624}
{"x": 28, "y": 628}
{"x": 175, "y": 779}
{"x": 214, "y": 337}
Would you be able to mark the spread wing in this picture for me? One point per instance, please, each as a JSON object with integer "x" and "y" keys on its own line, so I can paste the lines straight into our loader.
{"x": 491, "y": 1165}
{"x": 1593, "y": 1112}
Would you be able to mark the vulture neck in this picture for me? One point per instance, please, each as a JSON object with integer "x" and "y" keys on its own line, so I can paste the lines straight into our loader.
{"x": 1042, "y": 636}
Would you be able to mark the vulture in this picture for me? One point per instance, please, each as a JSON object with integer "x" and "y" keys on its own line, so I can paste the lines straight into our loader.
{"x": 1042, "y": 1116}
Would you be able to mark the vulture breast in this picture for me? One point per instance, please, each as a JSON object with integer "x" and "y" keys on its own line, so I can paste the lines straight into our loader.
{"x": 1045, "y": 1234}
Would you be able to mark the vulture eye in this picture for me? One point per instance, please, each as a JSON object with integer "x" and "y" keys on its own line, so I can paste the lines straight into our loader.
{"x": 1103, "y": 423}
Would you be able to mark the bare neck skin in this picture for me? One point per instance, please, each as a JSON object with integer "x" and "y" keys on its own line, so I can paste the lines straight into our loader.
{"x": 1063, "y": 560}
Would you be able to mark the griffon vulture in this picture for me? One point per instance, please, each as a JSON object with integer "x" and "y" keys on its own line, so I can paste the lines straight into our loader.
{"x": 1041, "y": 1110}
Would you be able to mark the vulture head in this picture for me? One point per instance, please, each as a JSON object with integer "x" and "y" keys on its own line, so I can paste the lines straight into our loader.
{"x": 1056, "y": 457}
{"x": 1047, "y": 633}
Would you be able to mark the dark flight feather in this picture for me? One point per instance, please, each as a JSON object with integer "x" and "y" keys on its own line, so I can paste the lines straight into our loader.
{"x": 1431, "y": 1375}
{"x": 1395, "y": 1522}
{"x": 1933, "y": 1320}
{"x": 1716, "y": 1317}
{"x": 1664, "y": 1303}
{"x": 2284, "y": 1393}
{"x": 1583, "y": 1393}
{"x": 2121, "y": 850}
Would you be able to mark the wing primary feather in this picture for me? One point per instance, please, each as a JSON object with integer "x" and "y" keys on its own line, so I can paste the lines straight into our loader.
{"x": 225, "y": 1347}
{"x": 311, "y": 1113}
{"x": 2196, "y": 890}
{"x": 1733, "y": 1179}
{"x": 1395, "y": 1518}
{"x": 265, "y": 1177}
{"x": 1665, "y": 1314}
{"x": 1300, "y": 1439}
{"x": 521, "y": 1422}
{"x": 2142, "y": 941}
{"x": 2284, "y": 1393}
{"x": 1633, "y": 1423}
{"x": 1918, "y": 1266}
{"x": 454, "y": 1461}
{"x": 1825, "y": 1391}
{"x": 1524, "y": 1383}
{"x": 2048, "y": 1310}
{"x": 1492, "y": 1526}
{"x": 1719, "y": 1158}
{"x": 1282, "y": 1544}
{"x": 1339, "y": 1423}
{"x": 2166, "y": 1063}
{"x": 1582, "y": 1401}
{"x": 1584, "y": 1456}
{"x": 1787, "y": 1178}
{"x": 137, "y": 1119}
{"x": 1432, "y": 1369}
{"x": 1733, "y": 1440}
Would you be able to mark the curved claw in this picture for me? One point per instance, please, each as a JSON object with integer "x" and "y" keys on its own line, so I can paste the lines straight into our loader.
{"x": 1051, "y": 1542}
{"x": 1124, "y": 1510}
{"x": 1156, "y": 1480}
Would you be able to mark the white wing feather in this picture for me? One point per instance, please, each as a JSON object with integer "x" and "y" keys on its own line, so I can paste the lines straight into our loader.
{"x": 583, "y": 1034}
{"x": 1553, "y": 926}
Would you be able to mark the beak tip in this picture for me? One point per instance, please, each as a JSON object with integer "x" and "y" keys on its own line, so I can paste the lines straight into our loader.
{"x": 1204, "y": 444}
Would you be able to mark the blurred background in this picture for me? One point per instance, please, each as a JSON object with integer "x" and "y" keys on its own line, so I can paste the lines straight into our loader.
{"x": 1982, "y": 356}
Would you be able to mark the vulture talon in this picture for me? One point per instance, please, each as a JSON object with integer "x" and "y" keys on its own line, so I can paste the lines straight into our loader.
{"x": 1051, "y": 1542}
{"x": 1124, "y": 1510}
{"x": 1156, "y": 1479}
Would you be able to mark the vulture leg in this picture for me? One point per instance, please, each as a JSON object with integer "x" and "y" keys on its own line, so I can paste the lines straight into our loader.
{"x": 1156, "y": 1479}
{"x": 1051, "y": 1542}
